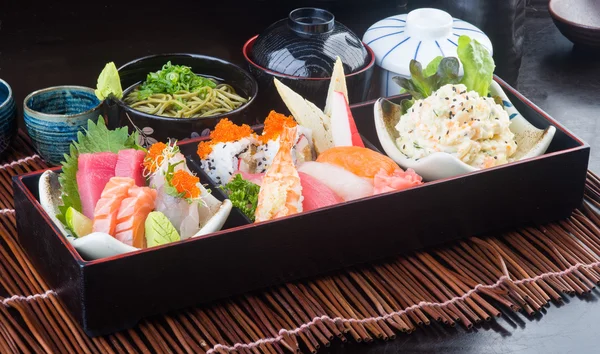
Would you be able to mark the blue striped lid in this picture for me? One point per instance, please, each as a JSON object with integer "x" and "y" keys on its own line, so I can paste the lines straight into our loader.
{"x": 422, "y": 34}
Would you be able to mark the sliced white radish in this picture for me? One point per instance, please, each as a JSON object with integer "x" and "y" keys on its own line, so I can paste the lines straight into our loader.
{"x": 345, "y": 184}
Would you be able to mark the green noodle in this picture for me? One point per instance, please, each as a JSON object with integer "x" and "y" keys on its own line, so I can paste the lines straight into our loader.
{"x": 204, "y": 102}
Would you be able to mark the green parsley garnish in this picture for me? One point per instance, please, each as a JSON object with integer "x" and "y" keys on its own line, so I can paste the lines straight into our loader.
{"x": 243, "y": 195}
{"x": 171, "y": 79}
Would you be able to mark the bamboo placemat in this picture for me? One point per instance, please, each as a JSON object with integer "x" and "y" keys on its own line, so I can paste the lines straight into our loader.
{"x": 463, "y": 284}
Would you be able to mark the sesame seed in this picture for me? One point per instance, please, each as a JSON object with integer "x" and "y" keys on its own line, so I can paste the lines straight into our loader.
{"x": 420, "y": 104}
{"x": 496, "y": 157}
{"x": 446, "y": 98}
{"x": 404, "y": 146}
{"x": 447, "y": 131}
{"x": 454, "y": 99}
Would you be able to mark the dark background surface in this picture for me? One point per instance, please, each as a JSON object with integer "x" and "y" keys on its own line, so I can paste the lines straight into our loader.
{"x": 68, "y": 42}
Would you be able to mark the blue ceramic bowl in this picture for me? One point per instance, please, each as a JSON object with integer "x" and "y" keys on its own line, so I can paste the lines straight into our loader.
{"x": 54, "y": 115}
{"x": 8, "y": 113}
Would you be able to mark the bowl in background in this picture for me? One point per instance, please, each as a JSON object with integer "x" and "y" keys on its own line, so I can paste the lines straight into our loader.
{"x": 579, "y": 21}
{"x": 422, "y": 34}
{"x": 8, "y": 115}
{"x": 154, "y": 128}
{"x": 313, "y": 89}
{"x": 54, "y": 115}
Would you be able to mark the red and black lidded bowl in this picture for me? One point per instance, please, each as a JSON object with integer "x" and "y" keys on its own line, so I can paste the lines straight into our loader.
{"x": 301, "y": 50}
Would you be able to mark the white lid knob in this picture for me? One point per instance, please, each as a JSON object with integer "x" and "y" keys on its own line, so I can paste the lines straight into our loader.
{"x": 428, "y": 24}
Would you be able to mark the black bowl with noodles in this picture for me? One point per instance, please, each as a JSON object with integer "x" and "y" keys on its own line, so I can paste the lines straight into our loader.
{"x": 154, "y": 128}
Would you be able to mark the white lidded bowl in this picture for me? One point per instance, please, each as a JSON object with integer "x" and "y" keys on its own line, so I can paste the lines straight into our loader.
{"x": 423, "y": 35}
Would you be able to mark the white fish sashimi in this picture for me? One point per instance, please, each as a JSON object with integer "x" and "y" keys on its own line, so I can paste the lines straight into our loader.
{"x": 345, "y": 184}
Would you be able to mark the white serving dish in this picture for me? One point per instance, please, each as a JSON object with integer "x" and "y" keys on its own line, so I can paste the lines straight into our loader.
{"x": 422, "y": 34}
{"x": 531, "y": 141}
{"x": 98, "y": 244}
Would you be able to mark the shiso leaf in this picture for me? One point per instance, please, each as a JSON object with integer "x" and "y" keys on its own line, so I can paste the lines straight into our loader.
{"x": 96, "y": 138}
{"x": 159, "y": 230}
{"x": 243, "y": 195}
{"x": 478, "y": 65}
{"x": 109, "y": 83}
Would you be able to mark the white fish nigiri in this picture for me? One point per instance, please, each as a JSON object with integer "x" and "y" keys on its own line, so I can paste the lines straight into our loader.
{"x": 345, "y": 184}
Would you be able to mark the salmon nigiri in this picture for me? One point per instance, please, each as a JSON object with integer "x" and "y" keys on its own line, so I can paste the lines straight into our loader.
{"x": 105, "y": 213}
{"x": 280, "y": 192}
{"x": 132, "y": 214}
{"x": 361, "y": 161}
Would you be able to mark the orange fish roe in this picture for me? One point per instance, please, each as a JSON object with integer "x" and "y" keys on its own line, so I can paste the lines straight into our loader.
{"x": 225, "y": 131}
{"x": 154, "y": 157}
{"x": 274, "y": 126}
{"x": 184, "y": 182}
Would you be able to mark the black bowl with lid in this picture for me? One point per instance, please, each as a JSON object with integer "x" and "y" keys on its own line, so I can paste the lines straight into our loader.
{"x": 300, "y": 51}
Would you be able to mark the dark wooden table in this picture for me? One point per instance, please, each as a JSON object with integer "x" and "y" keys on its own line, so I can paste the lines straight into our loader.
{"x": 46, "y": 43}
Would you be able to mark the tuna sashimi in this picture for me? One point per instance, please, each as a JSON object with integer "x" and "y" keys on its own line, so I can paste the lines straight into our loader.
{"x": 107, "y": 208}
{"x": 132, "y": 214}
{"x": 316, "y": 194}
{"x": 93, "y": 173}
{"x": 130, "y": 164}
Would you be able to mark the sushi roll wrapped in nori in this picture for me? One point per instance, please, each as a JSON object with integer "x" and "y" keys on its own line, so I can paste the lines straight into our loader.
{"x": 302, "y": 150}
{"x": 230, "y": 149}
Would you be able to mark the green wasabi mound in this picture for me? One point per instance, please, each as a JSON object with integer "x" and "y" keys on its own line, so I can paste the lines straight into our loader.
{"x": 109, "y": 83}
{"x": 159, "y": 230}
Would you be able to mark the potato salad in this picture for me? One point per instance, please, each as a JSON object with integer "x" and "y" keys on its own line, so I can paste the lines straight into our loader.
{"x": 459, "y": 122}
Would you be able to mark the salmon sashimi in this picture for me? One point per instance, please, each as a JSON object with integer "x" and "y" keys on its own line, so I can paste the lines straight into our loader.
{"x": 281, "y": 191}
{"x": 361, "y": 161}
{"x": 132, "y": 214}
{"x": 107, "y": 207}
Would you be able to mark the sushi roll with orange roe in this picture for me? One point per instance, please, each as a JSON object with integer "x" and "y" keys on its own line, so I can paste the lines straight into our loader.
{"x": 302, "y": 149}
{"x": 229, "y": 149}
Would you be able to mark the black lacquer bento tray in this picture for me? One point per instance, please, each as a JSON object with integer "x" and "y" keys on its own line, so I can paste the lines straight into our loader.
{"x": 114, "y": 293}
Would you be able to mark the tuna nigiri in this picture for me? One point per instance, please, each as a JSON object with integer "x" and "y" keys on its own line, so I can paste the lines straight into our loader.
{"x": 316, "y": 194}
{"x": 107, "y": 208}
{"x": 344, "y": 183}
{"x": 132, "y": 214}
{"x": 281, "y": 191}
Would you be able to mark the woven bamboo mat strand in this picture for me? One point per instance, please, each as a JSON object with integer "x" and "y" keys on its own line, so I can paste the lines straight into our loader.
{"x": 464, "y": 284}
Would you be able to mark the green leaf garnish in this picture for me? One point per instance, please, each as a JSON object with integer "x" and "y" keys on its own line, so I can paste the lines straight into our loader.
{"x": 422, "y": 83}
{"x": 432, "y": 67}
{"x": 478, "y": 65}
{"x": 243, "y": 195}
{"x": 173, "y": 78}
{"x": 109, "y": 83}
{"x": 159, "y": 230}
{"x": 169, "y": 189}
{"x": 96, "y": 138}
